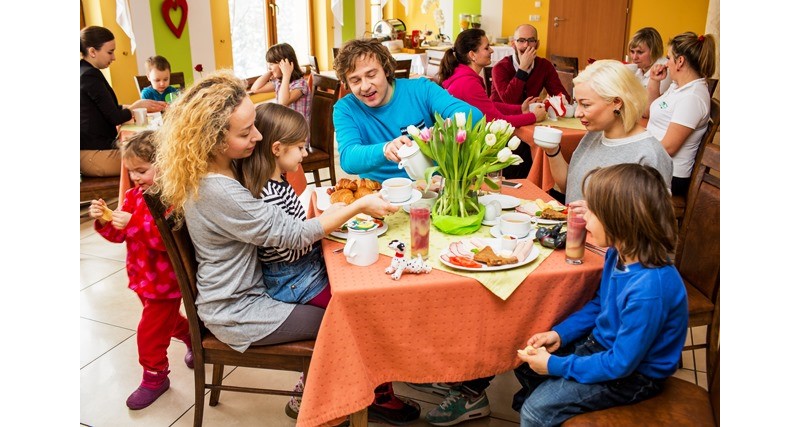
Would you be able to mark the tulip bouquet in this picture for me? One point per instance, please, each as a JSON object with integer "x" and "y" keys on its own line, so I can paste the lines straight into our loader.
{"x": 464, "y": 153}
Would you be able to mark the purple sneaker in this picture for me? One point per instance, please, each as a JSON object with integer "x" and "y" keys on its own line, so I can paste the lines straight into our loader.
{"x": 153, "y": 385}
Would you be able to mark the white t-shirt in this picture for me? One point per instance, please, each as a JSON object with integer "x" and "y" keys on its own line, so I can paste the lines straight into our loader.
{"x": 645, "y": 77}
{"x": 688, "y": 106}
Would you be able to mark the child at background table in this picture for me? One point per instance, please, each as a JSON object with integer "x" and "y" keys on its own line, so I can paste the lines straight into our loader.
{"x": 285, "y": 78}
{"x": 620, "y": 347}
{"x": 158, "y": 73}
{"x": 150, "y": 273}
{"x": 296, "y": 275}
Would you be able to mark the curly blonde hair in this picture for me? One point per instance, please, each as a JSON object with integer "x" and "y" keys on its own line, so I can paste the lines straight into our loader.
{"x": 194, "y": 132}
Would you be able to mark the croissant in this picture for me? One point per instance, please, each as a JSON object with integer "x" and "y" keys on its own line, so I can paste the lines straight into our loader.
{"x": 343, "y": 195}
{"x": 346, "y": 184}
{"x": 361, "y": 192}
{"x": 368, "y": 183}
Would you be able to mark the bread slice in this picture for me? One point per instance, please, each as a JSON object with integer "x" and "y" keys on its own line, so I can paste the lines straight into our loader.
{"x": 488, "y": 257}
{"x": 550, "y": 213}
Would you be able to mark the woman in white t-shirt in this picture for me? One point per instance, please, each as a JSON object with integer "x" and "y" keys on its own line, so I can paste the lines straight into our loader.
{"x": 647, "y": 49}
{"x": 679, "y": 117}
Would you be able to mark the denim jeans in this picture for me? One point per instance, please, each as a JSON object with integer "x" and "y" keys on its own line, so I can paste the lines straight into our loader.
{"x": 549, "y": 401}
{"x": 299, "y": 281}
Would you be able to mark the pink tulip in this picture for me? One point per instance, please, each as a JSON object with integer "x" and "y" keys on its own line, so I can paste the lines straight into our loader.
{"x": 461, "y": 136}
{"x": 425, "y": 134}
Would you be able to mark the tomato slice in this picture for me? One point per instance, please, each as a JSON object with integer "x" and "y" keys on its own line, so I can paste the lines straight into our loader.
{"x": 464, "y": 261}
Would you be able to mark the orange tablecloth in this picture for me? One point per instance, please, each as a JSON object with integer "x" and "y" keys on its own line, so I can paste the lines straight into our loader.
{"x": 540, "y": 169}
{"x": 296, "y": 179}
{"x": 429, "y": 327}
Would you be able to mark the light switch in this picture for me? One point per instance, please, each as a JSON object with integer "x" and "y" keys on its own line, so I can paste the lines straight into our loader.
{"x": 534, "y": 18}
{"x": 537, "y": 4}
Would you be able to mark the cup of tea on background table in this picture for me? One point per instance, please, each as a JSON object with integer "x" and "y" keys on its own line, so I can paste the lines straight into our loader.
{"x": 140, "y": 116}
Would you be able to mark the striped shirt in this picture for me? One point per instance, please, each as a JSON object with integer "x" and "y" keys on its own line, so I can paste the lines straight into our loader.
{"x": 282, "y": 195}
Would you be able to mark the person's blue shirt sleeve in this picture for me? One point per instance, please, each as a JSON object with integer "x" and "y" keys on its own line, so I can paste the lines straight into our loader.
{"x": 355, "y": 158}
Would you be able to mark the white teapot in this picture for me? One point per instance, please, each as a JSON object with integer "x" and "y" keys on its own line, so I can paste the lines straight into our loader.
{"x": 413, "y": 161}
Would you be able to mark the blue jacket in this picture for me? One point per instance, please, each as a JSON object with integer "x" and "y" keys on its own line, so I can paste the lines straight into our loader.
{"x": 150, "y": 93}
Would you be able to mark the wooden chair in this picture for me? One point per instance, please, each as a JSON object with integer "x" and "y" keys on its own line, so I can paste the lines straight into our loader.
{"x": 678, "y": 201}
{"x": 312, "y": 61}
{"x": 680, "y": 403}
{"x": 321, "y": 155}
{"x": 487, "y": 80}
{"x": 335, "y": 51}
{"x": 432, "y": 68}
{"x": 99, "y": 187}
{"x": 712, "y": 86}
{"x": 565, "y": 63}
{"x": 295, "y": 356}
{"x": 403, "y": 69}
{"x": 566, "y": 80}
{"x": 174, "y": 79}
{"x": 698, "y": 252}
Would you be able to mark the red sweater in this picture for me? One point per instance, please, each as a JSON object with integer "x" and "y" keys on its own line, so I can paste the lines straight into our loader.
{"x": 466, "y": 85}
{"x": 149, "y": 270}
{"x": 509, "y": 85}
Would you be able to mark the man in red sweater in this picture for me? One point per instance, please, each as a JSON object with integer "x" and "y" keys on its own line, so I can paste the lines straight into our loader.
{"x": 523, "y": 74}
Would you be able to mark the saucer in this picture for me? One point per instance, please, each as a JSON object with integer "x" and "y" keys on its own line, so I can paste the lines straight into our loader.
{"x": 416, "y": 195}
{"x": 495, "y": 232}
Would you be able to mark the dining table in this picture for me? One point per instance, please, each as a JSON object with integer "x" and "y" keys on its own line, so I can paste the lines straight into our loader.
{"x": 540, "y": 173}
{"x": 443, "y": 326}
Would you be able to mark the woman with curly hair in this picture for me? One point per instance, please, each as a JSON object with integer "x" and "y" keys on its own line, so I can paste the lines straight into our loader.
{"x": 205, "y": 132}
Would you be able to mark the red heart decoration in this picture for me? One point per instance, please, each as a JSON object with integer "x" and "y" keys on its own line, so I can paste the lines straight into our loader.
{"x": 174, "y": 5}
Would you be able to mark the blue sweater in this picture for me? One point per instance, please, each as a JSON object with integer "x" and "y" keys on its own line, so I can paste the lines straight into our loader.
{"x": 150, "y": 93}
{"x": 639, "y": 314}
{"x": 362, "y": 131}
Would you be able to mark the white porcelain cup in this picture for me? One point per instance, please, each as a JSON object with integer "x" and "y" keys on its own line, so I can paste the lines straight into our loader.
{"x": 508, "y": 242}
{"x": 515, "y": 224}
{"x": 413, "y": 161}
{"x": 396, "y": 190}
{"x": 493, "y": 210}
{"x": 140, "y": 116}
{"x": 547, "y": 137}
{"x": 362, "y": 246}
{"x": 570, "y": 110}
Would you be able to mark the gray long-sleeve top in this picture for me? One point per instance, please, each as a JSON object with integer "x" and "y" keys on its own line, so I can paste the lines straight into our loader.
{"x": 227, "y": 226}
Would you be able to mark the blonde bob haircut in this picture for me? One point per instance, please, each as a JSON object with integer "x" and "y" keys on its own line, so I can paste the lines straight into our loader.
{"x": 612, "y": 81}
{"x": 195, "y": 130}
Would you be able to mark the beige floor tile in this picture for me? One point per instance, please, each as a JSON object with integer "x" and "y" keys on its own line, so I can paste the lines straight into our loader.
{"x": 111, "y": 302}
{"x": 94, "y": 269}
{"x": 98, "y": 338}
{"x": 94, "y": 244}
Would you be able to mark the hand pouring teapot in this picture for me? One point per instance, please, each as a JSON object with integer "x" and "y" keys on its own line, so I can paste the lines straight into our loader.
{"x": 362, "y": 244}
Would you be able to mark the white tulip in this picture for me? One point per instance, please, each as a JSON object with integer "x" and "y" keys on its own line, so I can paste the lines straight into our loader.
{"x": 516, "y": 160}
{"x": 490, "y": 139}
{"x": 412, "y": 130}
{"x": 504, "y": 155}
{"x": 461, "y": 119}
{"x": 513, "y": 143}
{"x": 498, "y": 126}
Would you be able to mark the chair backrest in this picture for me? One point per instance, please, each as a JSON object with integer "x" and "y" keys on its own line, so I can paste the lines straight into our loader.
{"x": 698, "y": 252}
{"x": 325, "y": 93}
{"x": 712, "y": 86}
{"x": 565, "y": 63}
{"x": 487, "y": 80}
{"x": 312, "y": 61}
{"x": 566, "y": 80}
{"x": 174, "y": 79}
{"x": 432, "y": 68}
{"x": 403, "y": 69}
{"x": 335, "y": 52}
{"x": 182, "y": 257}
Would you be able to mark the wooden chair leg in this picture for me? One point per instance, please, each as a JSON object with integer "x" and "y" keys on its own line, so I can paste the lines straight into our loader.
{"x": 216, "y": 379}
{"x": 199, "y": 394}
{"x": 317, "y": 181}
{"x": 332, "y": 169}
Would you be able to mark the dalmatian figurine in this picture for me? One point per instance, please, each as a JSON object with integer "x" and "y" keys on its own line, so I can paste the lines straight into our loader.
{"x": 400, "y": 263}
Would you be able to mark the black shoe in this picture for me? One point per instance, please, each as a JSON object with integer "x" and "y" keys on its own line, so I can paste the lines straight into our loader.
{"x": 387, "y": 411}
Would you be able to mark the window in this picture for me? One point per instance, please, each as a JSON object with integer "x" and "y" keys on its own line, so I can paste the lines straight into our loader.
{"x": 251, "y": 21}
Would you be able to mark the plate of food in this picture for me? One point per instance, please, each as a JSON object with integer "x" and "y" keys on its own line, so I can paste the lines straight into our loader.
{"x": 479, "y": 254}
{"x": 506, "y": 201}
{"x": 363, "y": 221}
{"x": 545, "y": 213}
{"x": 345, "y": 191}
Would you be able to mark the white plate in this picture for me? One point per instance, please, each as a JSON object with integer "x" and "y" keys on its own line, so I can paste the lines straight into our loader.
{"x": 539, "y": 221}
{"x": 416, "y": 195}
{"x": 343, "y": 235}
{"x": 495, "y": 232}
{"x": 495, "y": 244}
{"x": 323, "y": 198}
{"x": 506, "y": 201}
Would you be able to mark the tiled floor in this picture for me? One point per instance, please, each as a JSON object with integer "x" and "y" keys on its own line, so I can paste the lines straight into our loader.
{"x": 109, "y": 368}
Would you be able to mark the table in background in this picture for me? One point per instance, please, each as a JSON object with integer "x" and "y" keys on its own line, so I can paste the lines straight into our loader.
{"x": 500, "y": 52}
{"x": 418, "y": 61}
{"x": 434, "y": 327}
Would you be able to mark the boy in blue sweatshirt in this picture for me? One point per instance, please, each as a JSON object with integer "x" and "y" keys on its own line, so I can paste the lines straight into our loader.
{"x": 620, "y": 347}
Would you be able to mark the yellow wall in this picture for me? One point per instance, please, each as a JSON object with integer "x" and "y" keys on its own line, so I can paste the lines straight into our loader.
{"x": 120, "y": 73}
{"x": 221, "y": 30}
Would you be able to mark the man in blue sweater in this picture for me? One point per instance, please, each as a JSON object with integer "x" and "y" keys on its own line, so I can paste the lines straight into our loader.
{"x": 371, "y": 121}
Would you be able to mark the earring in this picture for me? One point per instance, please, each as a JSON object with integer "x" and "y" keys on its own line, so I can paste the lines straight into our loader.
{"x": 617, "y": 113}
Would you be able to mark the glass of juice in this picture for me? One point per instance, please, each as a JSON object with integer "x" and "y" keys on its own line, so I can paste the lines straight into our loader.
{"x": 576, "y": 236}
{"x": 420, "y": 229}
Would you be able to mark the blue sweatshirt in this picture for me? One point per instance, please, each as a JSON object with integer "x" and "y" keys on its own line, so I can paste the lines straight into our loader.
{"x": 151, "y": 93}
{"x": 639, "y": 314}
{"x": 362, "y": 131}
